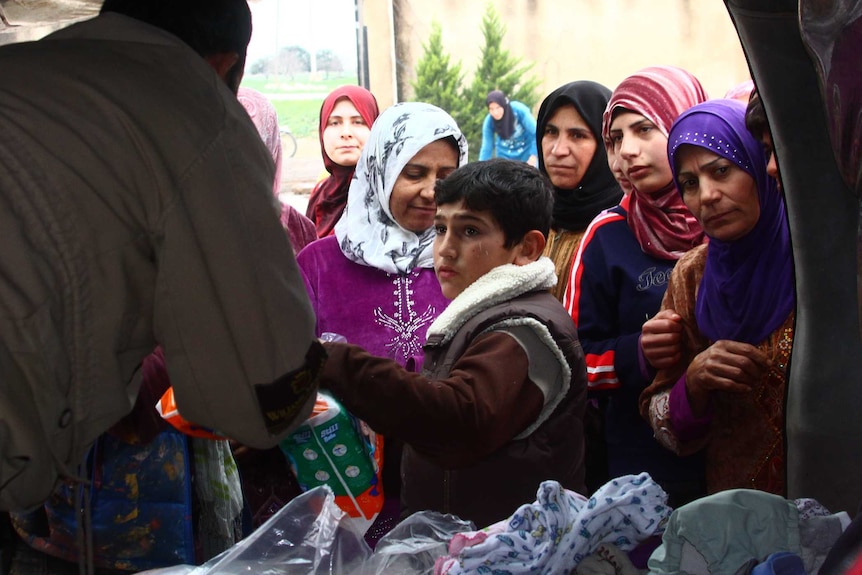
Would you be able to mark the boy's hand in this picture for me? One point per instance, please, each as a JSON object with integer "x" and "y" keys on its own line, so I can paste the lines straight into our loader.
{"x": 660, "y": 339}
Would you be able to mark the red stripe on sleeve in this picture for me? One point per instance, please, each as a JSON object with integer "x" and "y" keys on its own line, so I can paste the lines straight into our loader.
{"x": 571, "y": 299}
{"x": 601, "y": 373}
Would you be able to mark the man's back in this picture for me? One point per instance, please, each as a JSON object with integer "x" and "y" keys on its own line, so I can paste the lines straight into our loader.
{"x": 135, "y": 205}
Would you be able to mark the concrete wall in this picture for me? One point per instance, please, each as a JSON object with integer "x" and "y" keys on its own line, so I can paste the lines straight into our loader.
{"x": 377, "y": 18}
{"x": 601, "y": 40}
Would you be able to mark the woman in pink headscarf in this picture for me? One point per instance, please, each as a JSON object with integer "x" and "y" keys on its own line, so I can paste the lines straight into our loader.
{"x": 741, "y": 91}
{"x": 345, "y": 122}
{"x": 267, "y": 481}
{"x": 620, "y": 273}
{"x": 300, "y": 229}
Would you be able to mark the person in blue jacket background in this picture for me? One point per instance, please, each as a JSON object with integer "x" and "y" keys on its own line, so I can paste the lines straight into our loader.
{"x": 509, "y": 130}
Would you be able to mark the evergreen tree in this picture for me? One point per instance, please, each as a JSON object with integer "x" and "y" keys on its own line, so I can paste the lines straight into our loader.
{"x": 498, "y": 70}
{"x": 438, "y": 81}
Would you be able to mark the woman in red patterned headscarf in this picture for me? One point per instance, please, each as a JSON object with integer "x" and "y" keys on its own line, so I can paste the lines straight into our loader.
{"x": 345, "y": 122}
{"x": 657, "y": 215}
{"x": 621, "y": 270}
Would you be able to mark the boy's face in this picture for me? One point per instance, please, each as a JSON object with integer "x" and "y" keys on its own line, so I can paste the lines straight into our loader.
{"x": 468, "y": 244}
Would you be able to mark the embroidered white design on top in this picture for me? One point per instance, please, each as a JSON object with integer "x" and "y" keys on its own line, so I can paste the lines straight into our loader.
{"x": 405, "y": 323}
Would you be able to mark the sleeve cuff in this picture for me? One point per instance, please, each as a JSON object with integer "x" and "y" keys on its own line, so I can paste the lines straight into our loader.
{"x": 686, "y": 425}
{"x": 647, "y": 371}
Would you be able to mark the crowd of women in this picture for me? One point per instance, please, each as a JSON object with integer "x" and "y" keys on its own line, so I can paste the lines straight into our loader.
{"x": 671, "y": 246}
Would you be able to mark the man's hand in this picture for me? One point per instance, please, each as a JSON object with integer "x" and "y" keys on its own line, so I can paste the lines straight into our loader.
{"x": 660, "y": 339}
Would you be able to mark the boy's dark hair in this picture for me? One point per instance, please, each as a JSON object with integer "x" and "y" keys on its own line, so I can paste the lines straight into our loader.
{"x": 209, "y": 26}
{"x": 518, "y": 196}
{"x": 755, "y": 116}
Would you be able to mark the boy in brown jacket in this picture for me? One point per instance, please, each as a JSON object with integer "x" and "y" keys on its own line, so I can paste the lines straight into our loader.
{"x": 498, "y": 407}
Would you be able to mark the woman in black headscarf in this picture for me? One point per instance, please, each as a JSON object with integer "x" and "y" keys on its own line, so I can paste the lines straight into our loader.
{"x": 572, "y": 154}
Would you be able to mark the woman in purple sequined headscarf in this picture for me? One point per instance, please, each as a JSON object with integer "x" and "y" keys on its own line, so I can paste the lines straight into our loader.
{"x": 723, "y": 386}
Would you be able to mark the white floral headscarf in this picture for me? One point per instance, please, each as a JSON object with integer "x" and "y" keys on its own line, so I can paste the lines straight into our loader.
{"x": 367, "y": 232}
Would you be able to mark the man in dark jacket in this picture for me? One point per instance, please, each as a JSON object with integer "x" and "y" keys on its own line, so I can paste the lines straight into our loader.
{"x": 136, "y": 208}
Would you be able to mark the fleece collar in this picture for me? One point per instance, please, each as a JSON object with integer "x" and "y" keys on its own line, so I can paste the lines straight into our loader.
{"x": 499, "y": 285}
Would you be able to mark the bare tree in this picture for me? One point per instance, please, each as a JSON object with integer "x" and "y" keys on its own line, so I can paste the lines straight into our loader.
{"x": 292, "y": 60}
{"x": 328, "y": 62}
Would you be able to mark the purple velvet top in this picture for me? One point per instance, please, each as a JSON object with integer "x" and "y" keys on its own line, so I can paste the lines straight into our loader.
{"x": 300, "y": 229}
{"x": 686, "y": 425}
{"x": 387, "y": 314}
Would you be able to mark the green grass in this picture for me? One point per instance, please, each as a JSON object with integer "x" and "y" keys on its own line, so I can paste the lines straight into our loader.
{"x": 300, "y": 110}
{"x": 301, "y": 116}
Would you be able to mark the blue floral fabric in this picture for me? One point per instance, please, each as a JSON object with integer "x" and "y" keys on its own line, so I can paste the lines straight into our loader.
{"x": 554, "y": 534}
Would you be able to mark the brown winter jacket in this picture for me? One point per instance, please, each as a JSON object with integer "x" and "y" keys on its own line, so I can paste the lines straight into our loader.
{"x": 498, "y": 408}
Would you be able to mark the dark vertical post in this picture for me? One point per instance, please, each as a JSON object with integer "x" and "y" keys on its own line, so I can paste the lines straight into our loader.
{"x": 824, "y": 388}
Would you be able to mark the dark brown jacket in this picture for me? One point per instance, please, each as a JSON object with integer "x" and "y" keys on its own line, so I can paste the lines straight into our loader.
{"x": 498, "y": 408}
{"x": 492, "y": 487}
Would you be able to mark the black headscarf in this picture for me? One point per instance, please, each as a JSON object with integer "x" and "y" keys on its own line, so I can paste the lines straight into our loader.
{"x": 598, "y": 190}
{"x": 505, "y": 126}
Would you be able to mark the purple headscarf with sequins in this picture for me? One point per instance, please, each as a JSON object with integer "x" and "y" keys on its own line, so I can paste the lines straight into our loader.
{"x": 747, "y": 290}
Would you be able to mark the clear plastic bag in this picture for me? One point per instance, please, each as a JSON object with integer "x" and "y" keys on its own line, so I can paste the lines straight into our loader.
{"x": 313, "y": 536}
{"x": 309, "y": 536}
{"x": 416, "y": 543}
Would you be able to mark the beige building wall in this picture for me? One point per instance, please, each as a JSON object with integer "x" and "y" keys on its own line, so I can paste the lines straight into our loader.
{"x": 601, "y": 40}
{"x": 378, "y": 19}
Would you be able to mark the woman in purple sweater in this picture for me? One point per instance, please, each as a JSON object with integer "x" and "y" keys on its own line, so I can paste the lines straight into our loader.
{"x": 373, "y": 281}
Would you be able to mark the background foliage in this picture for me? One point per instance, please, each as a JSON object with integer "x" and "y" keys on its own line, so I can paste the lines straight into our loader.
{"x": 297, "y": 94}
{"x": 293, "y": 60}
{"x": 440, "y": 81}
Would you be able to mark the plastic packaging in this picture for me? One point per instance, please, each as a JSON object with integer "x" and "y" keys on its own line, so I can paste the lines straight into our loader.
{"x": 167, "y": 408}
{"x": 333, "y": 448}
{"x": 415, "y": 544}
{"x": 311, "y": 535}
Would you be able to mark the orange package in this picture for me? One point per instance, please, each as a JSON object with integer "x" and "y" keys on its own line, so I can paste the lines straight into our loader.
{"x": 167, "y": 408}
